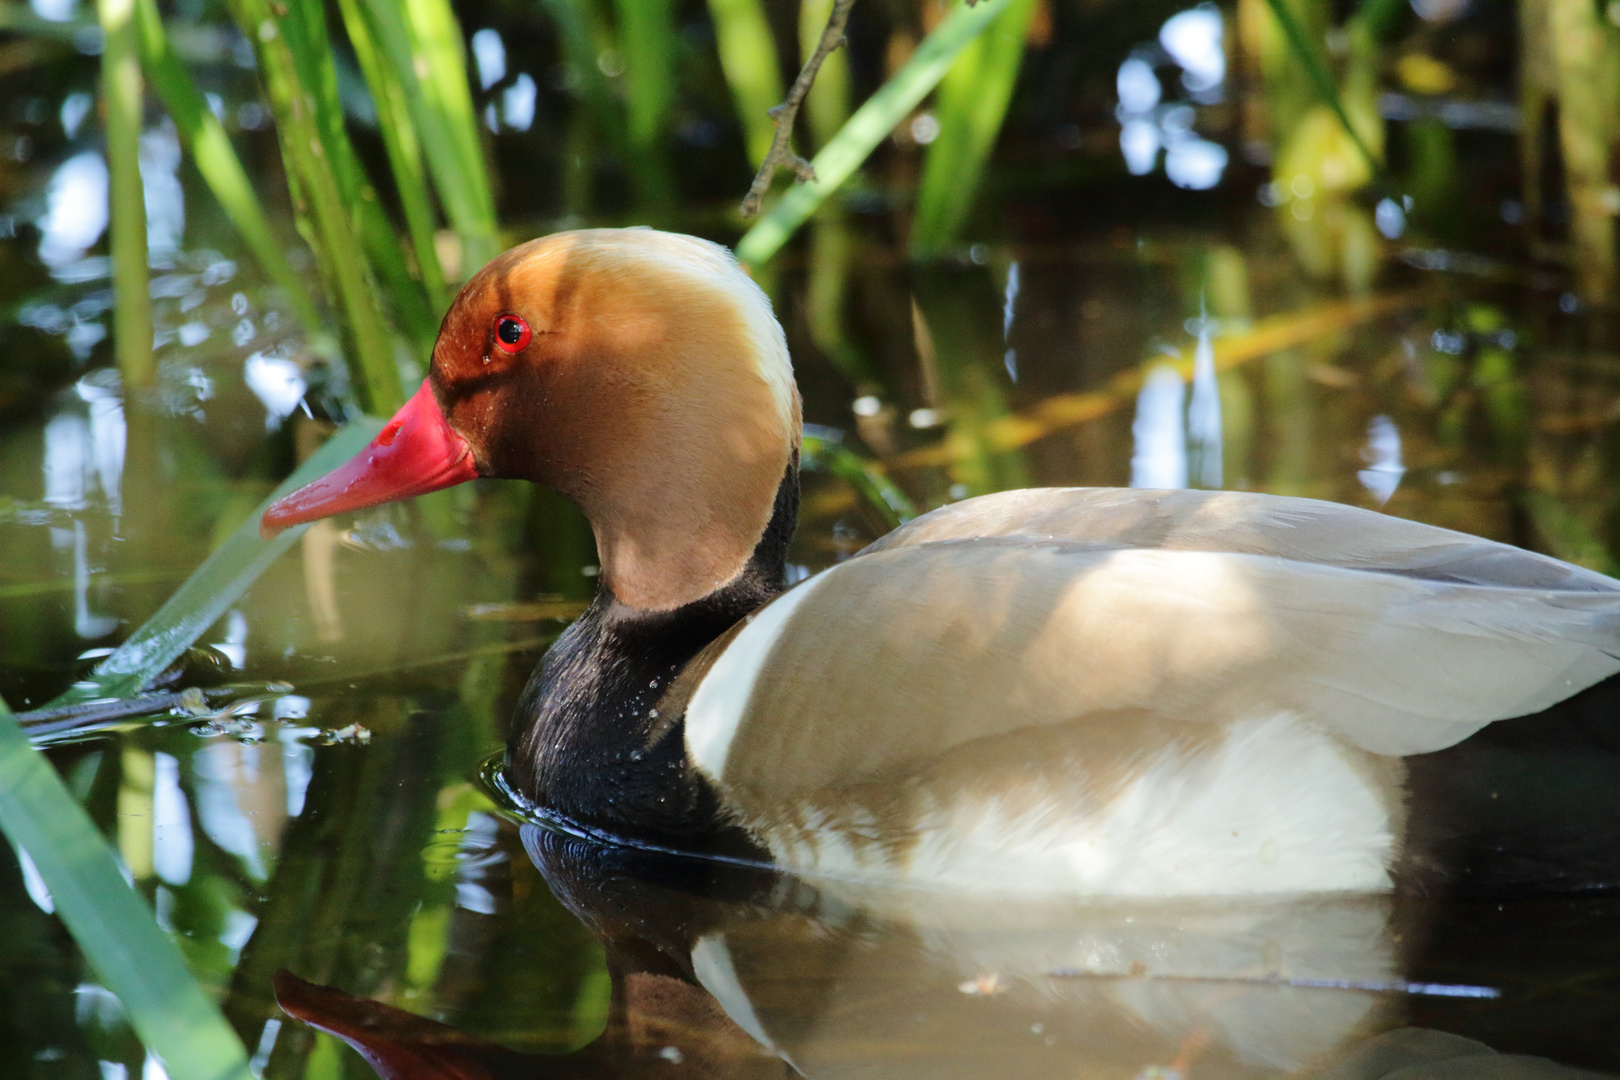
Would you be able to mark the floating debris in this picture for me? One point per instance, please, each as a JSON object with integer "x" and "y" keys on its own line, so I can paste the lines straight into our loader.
{"x": 355, "y": 734}
{"x": 985, "y": 984}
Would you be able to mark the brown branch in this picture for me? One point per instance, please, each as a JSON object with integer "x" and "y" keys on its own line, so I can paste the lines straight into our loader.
{"x": 785, "y": 114}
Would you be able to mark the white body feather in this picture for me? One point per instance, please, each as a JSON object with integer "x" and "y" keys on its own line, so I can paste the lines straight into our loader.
{"x": 1275, "y": 807}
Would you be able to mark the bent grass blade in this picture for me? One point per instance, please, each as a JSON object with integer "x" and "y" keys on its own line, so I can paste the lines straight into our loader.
{"x": 213, "y": 587}
{"x": 118, "y": 935}
{"x": 871, "y": 123}
{"x": 827, "y": 453}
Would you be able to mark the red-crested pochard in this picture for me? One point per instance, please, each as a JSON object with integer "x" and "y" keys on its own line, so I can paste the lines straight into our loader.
{"x": 1086, "y": 691}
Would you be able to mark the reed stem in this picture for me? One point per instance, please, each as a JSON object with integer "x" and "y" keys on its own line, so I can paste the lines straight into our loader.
{"x": 121, "y": 87}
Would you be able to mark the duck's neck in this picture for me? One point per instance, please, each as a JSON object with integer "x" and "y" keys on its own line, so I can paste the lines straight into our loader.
{"x": 588, "y": 740}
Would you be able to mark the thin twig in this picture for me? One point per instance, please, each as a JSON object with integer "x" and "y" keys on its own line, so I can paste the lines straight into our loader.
{"x": 786, "y": 113}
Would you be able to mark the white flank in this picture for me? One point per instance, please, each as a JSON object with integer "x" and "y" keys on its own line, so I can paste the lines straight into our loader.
{"x": 722, "y": 697}
{"x": 1278, "y": 807}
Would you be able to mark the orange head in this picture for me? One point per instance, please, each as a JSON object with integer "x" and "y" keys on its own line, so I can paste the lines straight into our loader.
{"x": 638, "y": 372}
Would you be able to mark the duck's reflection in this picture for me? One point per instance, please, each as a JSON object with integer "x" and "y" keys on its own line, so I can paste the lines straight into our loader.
{"x": 726, "y": 971}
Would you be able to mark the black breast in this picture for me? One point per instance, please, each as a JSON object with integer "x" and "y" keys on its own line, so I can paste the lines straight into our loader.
{"x": 590, "y": 741}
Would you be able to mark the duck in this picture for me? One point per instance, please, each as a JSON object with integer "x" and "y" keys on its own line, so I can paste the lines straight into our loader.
{"x": 1060, "y": 691}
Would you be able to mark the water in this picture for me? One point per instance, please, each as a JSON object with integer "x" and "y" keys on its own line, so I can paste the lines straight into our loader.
{"x": 1144, "y": 300}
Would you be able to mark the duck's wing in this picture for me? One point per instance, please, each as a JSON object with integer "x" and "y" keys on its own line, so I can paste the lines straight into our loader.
{"x": 1249, "y": 523}
{"x": 930, "y": 642}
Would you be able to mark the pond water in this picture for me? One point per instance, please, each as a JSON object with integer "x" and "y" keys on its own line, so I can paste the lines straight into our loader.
{"x": 1142, "y": 300}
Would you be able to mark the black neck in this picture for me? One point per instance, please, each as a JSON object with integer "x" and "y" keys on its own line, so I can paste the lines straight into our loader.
{"x": 587, "y": 740}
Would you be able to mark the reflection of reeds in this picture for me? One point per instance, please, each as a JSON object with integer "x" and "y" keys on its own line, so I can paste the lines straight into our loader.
{"x": 211, "y": 589}
{"x": 1571, "y": 68}
{"x": 955, "y": 318}
{"x": 1267, "y": 337}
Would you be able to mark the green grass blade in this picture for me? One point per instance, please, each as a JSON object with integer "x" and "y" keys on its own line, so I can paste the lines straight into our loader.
{"x": 121, "y": 97}
{"x": 116, "y": 932}
{"x": 432, "y": 74}
{"x": 402, "y": 145}
{"x": 871, "y": 123}
{"x": 971, "y": 106}
{"x": 748, "y": 58}
{"x": 466, "y": 188}
{"x": 205, "y": 138}
{"x": 334, "y": 236}
{"x": 213, "y": 587}
{"x": 1317, "y": 69}
{"x": 305, "y": 31}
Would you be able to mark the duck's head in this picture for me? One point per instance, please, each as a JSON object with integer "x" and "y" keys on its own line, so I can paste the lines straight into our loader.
{"x": 638, "y": 372}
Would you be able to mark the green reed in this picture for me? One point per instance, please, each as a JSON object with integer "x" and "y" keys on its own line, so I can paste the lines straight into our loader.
{"x": 646, "y": 47}
{"x": 870, "y": 124}
{"x": 121, "y": 88}
{"x": 970, "y": 106}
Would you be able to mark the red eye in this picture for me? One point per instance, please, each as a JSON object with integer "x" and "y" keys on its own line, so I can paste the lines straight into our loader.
{"x": 512, "y": 334}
